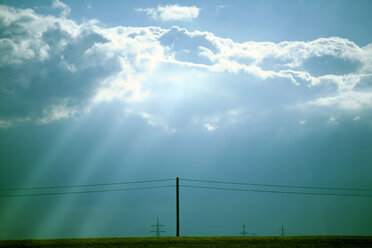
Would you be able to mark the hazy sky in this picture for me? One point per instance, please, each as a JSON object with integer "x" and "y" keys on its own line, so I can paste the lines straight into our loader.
{"x": 268, "y": 92}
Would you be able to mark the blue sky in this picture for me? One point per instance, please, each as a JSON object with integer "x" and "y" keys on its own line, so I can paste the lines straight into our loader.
{"x": 275, "y": 92}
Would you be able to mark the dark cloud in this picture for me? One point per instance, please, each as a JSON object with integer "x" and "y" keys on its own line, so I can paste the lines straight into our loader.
{"x": 47, "y": 66}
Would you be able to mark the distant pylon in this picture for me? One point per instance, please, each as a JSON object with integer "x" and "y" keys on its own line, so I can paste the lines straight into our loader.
{"x": 243, "y": 232}
{"x": 282, "y": 231}
{"x": 157, "y": 226}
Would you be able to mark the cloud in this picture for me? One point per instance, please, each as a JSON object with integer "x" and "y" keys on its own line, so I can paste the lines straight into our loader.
{"x": 265, "y": 60}
{"x": 172, "y": 13}
{"x": 53, "y": 68}
{"x": 351, "y": 100}
{"x": 56, "y": 112}
{"x": 220, "y": 7}
{"x": 332, "y": 120}
{"x": 47, "y": 65}
{"x": 156, "y": 122}
{"x": 5, "y": 124}
{"x": 221, "y": 119}
{"x": 152, "y": 120}
{"x": 67, "y": 67}
{"x": 284, "y": 60}
{"x": 209, "y": 127}
{"x": 57, "y": 4}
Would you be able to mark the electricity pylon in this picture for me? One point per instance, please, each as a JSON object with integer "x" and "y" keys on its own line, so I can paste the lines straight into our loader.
{"x": 157, "y": 226}
{"x": 282, "y": 230}
{"x": 243, "y": 232}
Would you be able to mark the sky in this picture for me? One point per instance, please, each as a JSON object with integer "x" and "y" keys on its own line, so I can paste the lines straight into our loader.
{"x": 257, "y": 92}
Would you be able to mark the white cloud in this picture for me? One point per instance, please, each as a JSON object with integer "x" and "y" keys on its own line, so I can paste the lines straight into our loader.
{"x": 37, "y": 40}
{"x": 5, "y": 124}
{"x": 343, "y": 82}
{"x": 332, "y": 120}
{"x": 209, "y": 127}
{"x": 91, "y": 64}
{"x": 57, "y": 4}
{"x": 118, "y": 59}
{"x": 287, "y": 58}
{"x": 156, "y": 122}
{"x": 351, "y": 100}
{"x": 67, "y": 66}
{"x": 43, "y": 48}
{"x": 172, "y": 13}
{"x": 222, "y": 119}
{"x": 219, "y": 7}
{"x": 56, "y": 112}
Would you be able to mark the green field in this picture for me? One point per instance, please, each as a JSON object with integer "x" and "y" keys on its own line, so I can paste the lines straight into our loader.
{"x": 200, "y": 242}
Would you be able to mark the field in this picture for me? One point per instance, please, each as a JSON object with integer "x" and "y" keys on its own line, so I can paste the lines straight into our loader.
{"x": 201, "y": 242}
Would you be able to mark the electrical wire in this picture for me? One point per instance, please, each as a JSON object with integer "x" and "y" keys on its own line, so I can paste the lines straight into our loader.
{"x": 276, "y": 185}
{"x": 86, "y": 185}
{"x": 185, "y": 186}
{"x": 273, "y": 191}
{"x": 84, "y": 192}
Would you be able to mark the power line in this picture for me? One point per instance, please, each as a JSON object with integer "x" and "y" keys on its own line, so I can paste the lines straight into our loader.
{"x": 186, "y": 186}
{"x": 86, "y": 185}
{"x": 84, "y": 192}
{"x": 184, "y": 179}
{"x": 277, "y": 185}
{"x": 273, "y": 191}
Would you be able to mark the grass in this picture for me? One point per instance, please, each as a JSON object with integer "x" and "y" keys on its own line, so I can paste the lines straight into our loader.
{"x": 200, "y": 242}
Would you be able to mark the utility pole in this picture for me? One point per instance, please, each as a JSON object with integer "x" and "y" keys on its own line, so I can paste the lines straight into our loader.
{"x": 243, "y": 232}
{"x": 178, "y": 206}
{"x": 157, "y": 226}
{"x": 282, "y": 230}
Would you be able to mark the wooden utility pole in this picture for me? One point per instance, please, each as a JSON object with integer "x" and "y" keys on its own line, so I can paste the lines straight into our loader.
{"x": 178, "y": 206}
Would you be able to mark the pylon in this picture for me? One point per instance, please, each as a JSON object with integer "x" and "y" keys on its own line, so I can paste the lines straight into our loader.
{"x": 157, "y": 226}
{"x": 243, "y": 232}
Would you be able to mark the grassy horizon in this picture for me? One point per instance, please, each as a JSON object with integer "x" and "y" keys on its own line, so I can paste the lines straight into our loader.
{"x": 185, "y": 241}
